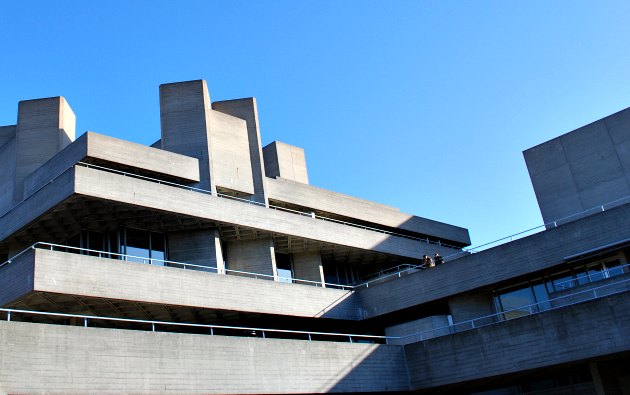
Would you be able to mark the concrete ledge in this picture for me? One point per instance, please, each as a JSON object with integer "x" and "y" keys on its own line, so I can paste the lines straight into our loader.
{"x": 109, "y": 149}
{"x": 321, "y": 199}
{"x": 73, "y": 274}
{"x": 109, "y": 186}
{"x": 583, "y": 331}
{"x": 518, "y": 258}
{"x": 53, "y": 359}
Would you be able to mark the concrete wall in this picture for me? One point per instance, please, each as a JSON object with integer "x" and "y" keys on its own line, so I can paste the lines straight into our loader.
{"x": 286, "y": 161}
{"x": 16, "y": 278}
{"x": 104, "y": 148}
{"x": 588, "y": 330}
{"x": 229, "y": 143}
{"x": 247, "y": 110}
{"x": 467, "y": 306}
{"x": 199, "y": 247}
{"x": 184, "y": 116}
{"x": 587, "y": 167}
{"x": 38, "y": 359}
{"x": 73, "y": 274}
{"x": 7, "y": 166}
{"x": 254, "y": 256}
{"x": 507, "y": 261}
{"x": 416, "y": 330}
{"x": 45, "y": 127}
{"x": 308, "y": 266}
{"x": 348, "y": 206}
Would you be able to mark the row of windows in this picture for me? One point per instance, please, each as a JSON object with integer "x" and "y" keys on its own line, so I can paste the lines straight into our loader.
{"x": 516, "y": 300}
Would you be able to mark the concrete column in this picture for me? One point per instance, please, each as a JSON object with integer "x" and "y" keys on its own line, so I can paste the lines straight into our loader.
{"x": 247, "y": 109}
{"x": 45, "y": 127}
{"x": 184, "y": 117}
{"x": 7, "y": 166}
{"x": 254, "y": 256}
{"x": 199, "y": 247}
{"x": 308, "y": 266}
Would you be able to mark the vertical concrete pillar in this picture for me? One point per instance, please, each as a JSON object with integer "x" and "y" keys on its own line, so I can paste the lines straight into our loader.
{"x": 184, "y": 117}
{"x": 45, "y": 127}
{"x": 247, "y": 109}
{"x": 253, "y": 256}
{"x": 308, "y": 266}
{"x": 199, "y": 247}
{"x": 7, "y": 166}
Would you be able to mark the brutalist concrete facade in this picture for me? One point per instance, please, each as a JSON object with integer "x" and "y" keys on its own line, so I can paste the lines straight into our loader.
{"x": 207, "y": 263}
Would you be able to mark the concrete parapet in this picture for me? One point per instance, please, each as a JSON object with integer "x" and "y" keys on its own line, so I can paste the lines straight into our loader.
{"x": 118, "y": 361}
{"x": 107, "y": 149}
{"x": 410, "y": 332}
{"x": 315, "y": 198}
{"x": 73, "y": 274}
{"x": 587, "y": 330}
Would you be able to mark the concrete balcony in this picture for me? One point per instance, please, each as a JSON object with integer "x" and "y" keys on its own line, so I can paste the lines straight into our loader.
{"x": 53, "y": 281}
{"x": 103, "y": 190}
{"x": 584, "y": 331}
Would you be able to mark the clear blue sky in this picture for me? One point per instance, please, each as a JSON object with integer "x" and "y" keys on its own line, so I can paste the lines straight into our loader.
{"x": 423, "y": 105}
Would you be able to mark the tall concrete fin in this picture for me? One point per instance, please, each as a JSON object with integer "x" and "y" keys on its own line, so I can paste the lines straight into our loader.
{"x": 7, "y": 166}
{"x": 247, "y": 109}
{"x": 184, "y": 116}
{"x": 285, "y": 161}
{"x": 45, "y": 127}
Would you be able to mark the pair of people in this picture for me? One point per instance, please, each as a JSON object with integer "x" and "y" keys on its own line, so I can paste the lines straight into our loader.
{"x": 427, "y": 261}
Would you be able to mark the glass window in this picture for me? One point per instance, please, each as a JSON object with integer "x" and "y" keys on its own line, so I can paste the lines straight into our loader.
{"x": 95, "y": 242}
{"x": 137, "y": 244}
{"x": 158, "y": 248}
{"x": 595, "y": 272}
{"x": 542, "y": 297}
{"x": 284, "y": 269}
{"x": 514, "y": 302}
{"x": 614, "y": 268}
{"x": 563, "y": 281}
{"x": 581, "y": 276}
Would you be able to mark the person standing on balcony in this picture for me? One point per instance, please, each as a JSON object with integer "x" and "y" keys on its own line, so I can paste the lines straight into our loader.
{"x": 438, "y": 259}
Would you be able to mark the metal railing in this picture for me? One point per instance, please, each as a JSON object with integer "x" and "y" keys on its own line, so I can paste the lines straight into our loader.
{"x": 607, "y": 273}
{"x": 518, "y": 312}
{"x": 225, "y": 329}
{"x": 169, "y": 263}
{"x": 270, "y": 206}
{"x": 551, "y": 224}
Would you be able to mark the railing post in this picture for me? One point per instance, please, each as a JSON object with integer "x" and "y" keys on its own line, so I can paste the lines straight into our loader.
{"x": 85, "y": 322}
{"x": 153, "y": 327}
{"x": 263, "y": 333}
{"x": 8, "y": 316}
{"x": 211, "y": 331}
{"x": 309, "y": 337}
{"x": 350, "y": 337}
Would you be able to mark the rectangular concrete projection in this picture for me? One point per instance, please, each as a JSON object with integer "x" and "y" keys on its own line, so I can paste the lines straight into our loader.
{"x": 45, "y": 127}
{"x": 285, "y": 161}
{"x": 582, "y": 169}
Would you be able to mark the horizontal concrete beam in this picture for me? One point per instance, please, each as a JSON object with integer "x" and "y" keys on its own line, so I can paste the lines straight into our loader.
{"x": 109, "y": 149}
{"x": 114, "y": 187}
{"x": 517, "y": 258}
{"x": 348, "y": 206}
{"x": 576, "y": 333}
{"x": 39, "y": 358}
{"x": 73, "y": 274}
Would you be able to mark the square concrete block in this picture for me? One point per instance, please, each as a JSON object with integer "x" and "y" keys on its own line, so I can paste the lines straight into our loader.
{"x": 554, "y": 184}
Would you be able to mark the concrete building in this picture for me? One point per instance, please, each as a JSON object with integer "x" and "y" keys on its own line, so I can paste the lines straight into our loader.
{"x": 207, "y": 263}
